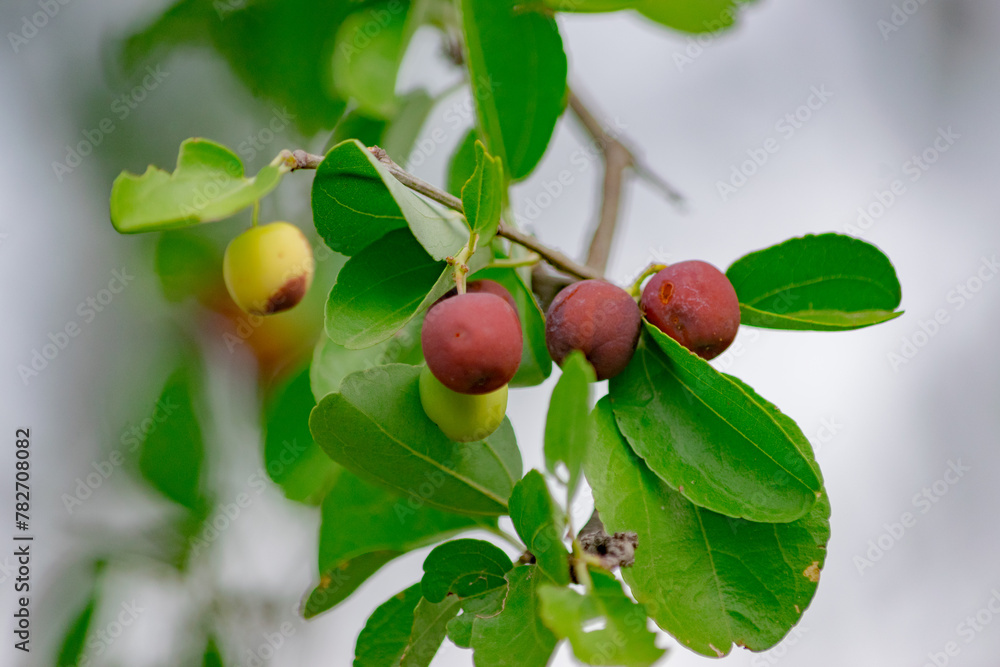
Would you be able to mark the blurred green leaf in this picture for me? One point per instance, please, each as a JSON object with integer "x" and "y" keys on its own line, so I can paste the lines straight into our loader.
{"x": 471, "y": 570}
{"x": 462, "y": 164}
{"x": 368, "y": 50}
{"x": 707, "y": 438}
{"x": 516, "y": 637}
{"x": 541, "y": 524}
{"x": 173, "y": 453}
{"x": 208, "y": 184}
{"x": 375, "y": 426}
{"x": 385, "y": 286}
{"x": 356, "y": 201}
{"x": 517, "y": 69}
{"x": 623, "y": 638}
{"x": 291, "y": 457}
{"x": 187, "y": 264}
{"x": 828, "y": 282}
{"x": 357, "y": 125}
{"x": 401, "y": 134}
{"x": 365, "y": 526}
{"x": 74, "y": 640}
{"x": 212, "y": 657}
{"x": 281, "y": 50}
{"x": 483, "y": 195}
{"x": 536, "y": 364}
{"x": 591, "y": 5}
{"x": 387, "y": 632}
{"x": 569, "y": 429}
{"x": 693, "y": 16}
{"x": 709, "y": 580}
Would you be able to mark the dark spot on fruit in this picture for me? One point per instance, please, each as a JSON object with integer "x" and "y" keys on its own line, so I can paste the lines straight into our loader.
{"x": 288, "y": 296}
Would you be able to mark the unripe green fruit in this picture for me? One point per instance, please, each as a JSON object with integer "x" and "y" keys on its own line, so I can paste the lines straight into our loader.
{"x": 462, "y": 417}
{"x": 268, "y": 268}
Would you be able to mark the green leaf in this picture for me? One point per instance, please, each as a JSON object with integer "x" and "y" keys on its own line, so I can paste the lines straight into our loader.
{"x": 707, "y": 438}
{"x": 387, "y": 632}
{"x": 430, "y": 623}
{"x": 383, "y": 287}
{"x": 337, "y": 585}
{"x": 541, "y": 524}
{"x": 623, "y": 639}
{"x": 332, "y": 362}
{"x": 212, "y": 657}
{"x": 709, "y": 580}
{"x": 208, "y": 184}
{"x": 569, "y": 429}
{"x": 291, "y": 457}
{"x": 516, "y": 637}
{"x": 483, "y": 194}
{"x": 365, "y": 526}
{"x": 73, "y": 642}
{"x": 172, "y": 455}
{"x": 368, "y": 50}
{"x": 279, "y": 49}
{"x": 693, "y": 16}
{"x": 517, "y": 67}
{"x": 376, "y": 427}
{"x": 356, "y": 201}
{"x": 536, "y": 364}
{"x": 828, "y": 282}
{"x": 471, "y": 570}
{"x": 462, "y": 164}
{"x": 187, "y": 264}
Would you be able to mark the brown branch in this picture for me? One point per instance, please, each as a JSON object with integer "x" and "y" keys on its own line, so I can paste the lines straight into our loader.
{"x": 618, "y": 157}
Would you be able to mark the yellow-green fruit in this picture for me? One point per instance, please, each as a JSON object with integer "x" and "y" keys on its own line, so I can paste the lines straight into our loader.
{"x": 462, "y": 417}
{"x": 268, "y": 268}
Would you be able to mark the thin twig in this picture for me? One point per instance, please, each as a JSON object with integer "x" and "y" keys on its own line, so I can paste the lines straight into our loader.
{"x": 618, "y": 157}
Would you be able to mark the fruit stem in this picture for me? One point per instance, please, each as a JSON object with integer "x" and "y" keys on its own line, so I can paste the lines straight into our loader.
{"x": 636, "y": 289}
{"x": 580, "y": 561}
{"x": 461, "y": 262}
{"x": 256, "y": 213}
{"x": 530, "y": 260}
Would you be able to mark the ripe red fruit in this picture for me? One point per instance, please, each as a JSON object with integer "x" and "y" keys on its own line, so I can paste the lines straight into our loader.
{"x": 484, "y": 285}
{"x": 695, "y": 304}
{"x": 472, "y": 342}
{"x": 597, "y": 318}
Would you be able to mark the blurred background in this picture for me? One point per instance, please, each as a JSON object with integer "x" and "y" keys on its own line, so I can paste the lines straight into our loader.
{"x": 884, "y": 115}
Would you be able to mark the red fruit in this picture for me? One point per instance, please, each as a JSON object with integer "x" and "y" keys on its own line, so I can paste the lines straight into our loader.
{"x": 472, "y": 342}
{"x": 695, "y": 304}
{"x": 597, "y": 318}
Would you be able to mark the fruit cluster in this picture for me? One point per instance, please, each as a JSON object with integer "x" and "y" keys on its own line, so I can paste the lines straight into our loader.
{"x": 472, "y": 342}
